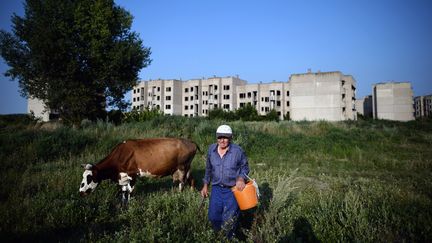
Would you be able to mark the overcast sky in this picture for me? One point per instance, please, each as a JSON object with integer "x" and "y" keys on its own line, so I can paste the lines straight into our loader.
{"x": 374, "y": 41}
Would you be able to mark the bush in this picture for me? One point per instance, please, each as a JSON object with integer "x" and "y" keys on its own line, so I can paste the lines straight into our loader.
{"x": 247, "y": 113}
{"x": 140, "y": 116}
{"x": 221, "y": 114}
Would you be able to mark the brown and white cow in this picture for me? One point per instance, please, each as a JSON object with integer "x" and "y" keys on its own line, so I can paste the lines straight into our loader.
{"x": 153, "y": 157}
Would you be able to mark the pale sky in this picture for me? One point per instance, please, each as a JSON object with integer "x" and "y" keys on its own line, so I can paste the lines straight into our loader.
{"x": 261, "y": 41}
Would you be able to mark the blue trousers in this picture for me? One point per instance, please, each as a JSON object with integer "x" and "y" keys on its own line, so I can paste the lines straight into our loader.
{"x": 223, "y": 210}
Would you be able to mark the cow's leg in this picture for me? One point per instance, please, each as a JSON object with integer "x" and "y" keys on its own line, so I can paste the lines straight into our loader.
{"x": 189, "y": 179}
{"x": 126, "y": 182}
{"x": 179, "y": 175}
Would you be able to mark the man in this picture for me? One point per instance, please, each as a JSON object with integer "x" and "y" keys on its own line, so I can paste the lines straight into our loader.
{"x": 226, "y": 166}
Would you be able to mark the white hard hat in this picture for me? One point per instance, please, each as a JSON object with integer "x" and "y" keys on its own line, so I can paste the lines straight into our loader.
{"x": 224, "y": 131}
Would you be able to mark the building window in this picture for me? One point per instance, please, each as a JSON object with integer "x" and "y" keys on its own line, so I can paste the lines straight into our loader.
{"x": 215, "y": 87}
{"x": 191, "y": 98}
{"x": 167, "y": 107}
{"x": 186, "y": 107}
{"x": 186, "y": 90}
{"x": 158, "y": 97}
{"x": 191, "y": 107}
{"x": 168, "y": 98}
{"x": 266, "y": 99}
{"x": 278, "y": 92}
{"x": 216, "y": 97}
{"x": 226, "y": 97}
{"x": 226, "y": 87}
{"x": 137, "y": 98}
{"x": 226, "y": 106}
{"x": 134, "y": 99}
{"x": 242, "y": 105}
{"x": 158, "y": 89}
{"x": 287, "y": 93}
{"x": 242, "y": 95}
{"x": 278, "y": 103}
{"x": 168, "y": 89}
{"x": 134, "y": 91}
{"x": 287, "y": 103}
{"x": 249, "y": 94}
{"x": 186, "y": 98}
{"x": 191, "y": 89}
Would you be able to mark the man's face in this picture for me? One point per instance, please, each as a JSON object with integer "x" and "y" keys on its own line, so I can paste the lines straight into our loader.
{"x": 223, "y": 142}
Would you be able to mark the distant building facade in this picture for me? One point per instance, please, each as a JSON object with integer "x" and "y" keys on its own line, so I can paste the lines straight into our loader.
{"x": 322, "y": 96}
{"x": 423, "y": 106}
{"x": 393, "y": 101}
{"x": 311, "y": 96}
{"x": 364, "y": 106}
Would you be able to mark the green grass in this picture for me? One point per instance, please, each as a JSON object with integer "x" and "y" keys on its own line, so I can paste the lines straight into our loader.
{"x": 364, "y": 181}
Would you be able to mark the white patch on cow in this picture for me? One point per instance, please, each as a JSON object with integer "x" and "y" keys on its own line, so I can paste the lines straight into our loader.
{"x": 84, "y": 185}
{"x": 146, "y": 174}
{"x": 124, "y": 181}
{"x": 179, "y": 176}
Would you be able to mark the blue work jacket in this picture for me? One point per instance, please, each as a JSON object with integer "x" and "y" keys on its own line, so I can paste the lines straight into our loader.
{"x": 225, "y": 171}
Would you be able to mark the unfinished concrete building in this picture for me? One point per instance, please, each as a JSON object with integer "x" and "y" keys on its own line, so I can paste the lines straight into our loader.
{"x": 311, "y": 96}
{"x": 423, "y": 106}
{"x": 364, "y": 106}
{"x": 393, "y": 101}
{"x": 322, "y": 96}
{"x": 265, "y": 97}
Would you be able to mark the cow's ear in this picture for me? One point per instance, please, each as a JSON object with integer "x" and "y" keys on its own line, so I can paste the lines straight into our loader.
{"x": 87, "y": 166}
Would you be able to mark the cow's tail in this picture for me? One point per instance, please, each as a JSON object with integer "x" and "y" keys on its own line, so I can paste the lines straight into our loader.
{"x": 189, "y": 179}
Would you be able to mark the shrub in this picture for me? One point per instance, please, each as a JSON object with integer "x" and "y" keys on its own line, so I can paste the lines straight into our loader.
{"x": 140, "y": 116}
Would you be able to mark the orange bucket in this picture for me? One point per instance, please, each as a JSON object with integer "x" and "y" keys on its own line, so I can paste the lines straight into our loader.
{"x": 247, "y": 198}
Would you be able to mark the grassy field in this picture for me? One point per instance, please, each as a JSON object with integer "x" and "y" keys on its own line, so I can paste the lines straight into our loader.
{"x": 363, "y": 181}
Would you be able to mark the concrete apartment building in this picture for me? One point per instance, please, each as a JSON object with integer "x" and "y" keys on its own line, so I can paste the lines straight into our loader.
{"x": 364, "y": 106}
{"x": 322, "y": 96}
{"x": 311, "y": 96}
{"x": 423, "y": 106}
{"x": 265, "y": 97}
{"x": 393, "y": 101}
{"x": 194, "y": 97}
{"x": 160, "y": 94}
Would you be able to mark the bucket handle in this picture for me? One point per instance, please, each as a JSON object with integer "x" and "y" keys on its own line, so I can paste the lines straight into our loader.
{"x": 255, "y": 185}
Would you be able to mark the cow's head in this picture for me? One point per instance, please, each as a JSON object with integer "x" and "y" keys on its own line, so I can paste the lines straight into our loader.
{"x": 89, "y": 182}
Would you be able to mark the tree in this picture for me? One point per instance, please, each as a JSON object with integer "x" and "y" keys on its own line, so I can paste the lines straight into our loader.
{"x": 272, "y": 115}
{"x": 219, "y": 113}
{"x": 247, "y": 113}
{"x": 77, "y": 55}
